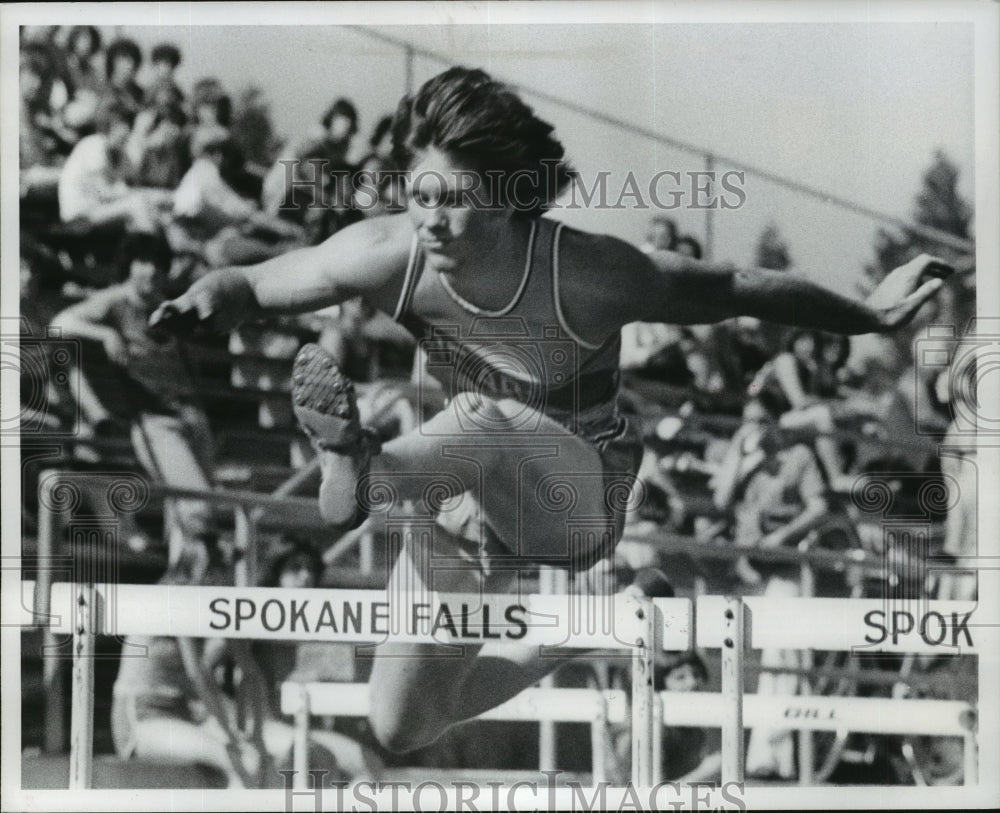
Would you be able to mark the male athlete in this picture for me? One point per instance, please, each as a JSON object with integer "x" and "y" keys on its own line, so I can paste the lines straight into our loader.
{"x": 521, "y": 319}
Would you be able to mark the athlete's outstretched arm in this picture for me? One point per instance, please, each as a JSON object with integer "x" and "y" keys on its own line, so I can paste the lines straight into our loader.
{"x": 687, "y": 291}
{"x": 360, "y": 260}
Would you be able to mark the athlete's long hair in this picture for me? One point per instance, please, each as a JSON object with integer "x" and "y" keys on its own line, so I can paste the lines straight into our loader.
{"x": 470, "y": 116}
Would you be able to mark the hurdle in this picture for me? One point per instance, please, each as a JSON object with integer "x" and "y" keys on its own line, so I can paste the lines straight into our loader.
{"x": 861, "y": 626}
{"x": 635, "y": 627}
{"x": 692, "y": 709}
{"x": 86, "y": 610}
{"x": 59, "y": 491}
{"x": 301, "y": 700}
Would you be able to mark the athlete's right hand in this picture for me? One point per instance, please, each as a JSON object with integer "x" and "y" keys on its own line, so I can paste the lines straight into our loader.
{"x": 217, "y": 302}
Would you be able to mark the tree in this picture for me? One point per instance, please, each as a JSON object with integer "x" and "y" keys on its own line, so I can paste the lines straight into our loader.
{"x": 938, "y": 205}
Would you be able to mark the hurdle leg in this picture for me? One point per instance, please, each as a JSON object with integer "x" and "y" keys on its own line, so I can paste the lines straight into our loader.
{"x": 246, "y": 543}
{"x": 807, "y": 755}
{"x": 549, "y": 584}
{"x": 657, "y": 739}
{"x": 366, "y": 552}
{"x": 300, "y": 745}
{"x": 971, "y": 758}
{"x": 733, "y": 644}
{"x": 643, "y": 696}
{"x": 81, "y": 746}
{"x": 49, "y": 525}
{"x": 599, "y": 741}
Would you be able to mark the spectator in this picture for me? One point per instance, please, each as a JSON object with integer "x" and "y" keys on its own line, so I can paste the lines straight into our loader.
{"x": 656, "y": 350}
{"x": 212, "y": 219}
{"x": 40, "y": 159}
{"x": 86, "y": 82}
{"x": 170, "y": 432}
{"x": 271, "y": 663}
{"x": 688, "y": 246}
{"x": 212, "y": 110}
{"x": 122, "y": 61}
{"x": 93, "y": 185}
{"x": 684, "y": 754}
{"x": 799, "y": 376}
{"x": 661, "y": 235}
{"x": 771, "y": 487}
{"x": 379, "y": 183}
{"x": 317, "y": 187}
{"x": 380, "y": 155}
{"x": 164, "y": 155}
{"x": 776, "y": 493}
{"x": 686, "y": 757}
{"x": 340, "y": 124}
{"x": 738, "y": 348}
{"x": 164, "y": 59}
{"x": 83, "y": 45}
{"x": 878, "y": 404}
{"x": 41, "y": 40}
{"x": 958, "y": 464}
{"x": 166, "y": 706}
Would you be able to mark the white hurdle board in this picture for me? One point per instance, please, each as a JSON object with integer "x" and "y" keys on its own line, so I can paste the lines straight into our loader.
{"x": 559, "y": 705}
{"x": 847, "y": 625}
{"x": 371, "y": 616}
{"x": 870, "y": 715}
{"x": 634, "y": 626}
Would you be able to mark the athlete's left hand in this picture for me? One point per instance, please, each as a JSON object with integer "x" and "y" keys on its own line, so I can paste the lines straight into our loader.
{"x": 903, "y": 291}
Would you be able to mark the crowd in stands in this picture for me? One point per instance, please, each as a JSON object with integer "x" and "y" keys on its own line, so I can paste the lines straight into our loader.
{"x": 130, "y": 191}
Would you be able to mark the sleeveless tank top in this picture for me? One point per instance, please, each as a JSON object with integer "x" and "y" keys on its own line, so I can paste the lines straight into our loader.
{"x": 525, "y": 350}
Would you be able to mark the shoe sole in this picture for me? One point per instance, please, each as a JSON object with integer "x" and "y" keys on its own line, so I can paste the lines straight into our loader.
{"x": 323, "y": 398}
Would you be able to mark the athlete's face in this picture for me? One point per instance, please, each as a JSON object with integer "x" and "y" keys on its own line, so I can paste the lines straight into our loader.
{"x": 452, "y": 224}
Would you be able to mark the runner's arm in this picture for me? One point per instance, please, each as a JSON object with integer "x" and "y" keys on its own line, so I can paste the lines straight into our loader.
{"x": 357, "y": 261}
{"x": 687, "y": 291}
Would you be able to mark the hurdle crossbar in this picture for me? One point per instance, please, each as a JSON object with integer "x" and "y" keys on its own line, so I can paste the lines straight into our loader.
{"x": 630, "y": 624}
{"x": 376, "y": 616}
{"x": 944, "y": 718}
{"x": 301, "y": 700}
{"x": 871, "y": 715}
{"x": 858, "y": 625}
{"x": 558, "y": 705}
{"x": 638, "y": 626}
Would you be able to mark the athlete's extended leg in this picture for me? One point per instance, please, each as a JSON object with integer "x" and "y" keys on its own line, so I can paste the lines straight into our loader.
{"x": 419, "y": 690}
